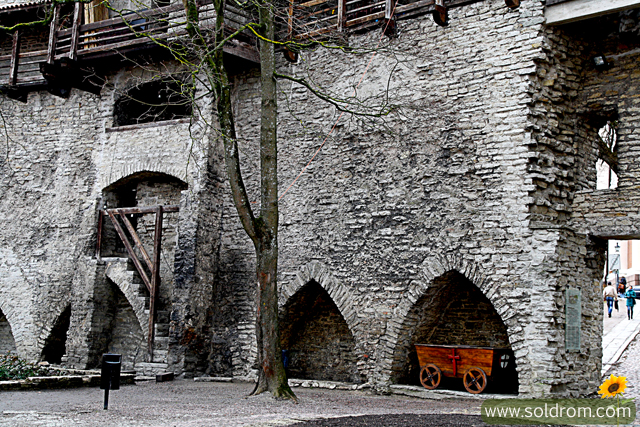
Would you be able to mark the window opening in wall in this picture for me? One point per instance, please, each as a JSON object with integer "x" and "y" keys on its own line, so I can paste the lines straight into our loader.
{"x": 55, "y": 346}
{"x": 607, "y": 178}
{"x": 154, "y": 101}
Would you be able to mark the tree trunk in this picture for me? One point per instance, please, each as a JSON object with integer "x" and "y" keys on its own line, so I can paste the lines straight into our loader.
{"x": 263, "y": 230}
{"x": 272, "y": 376}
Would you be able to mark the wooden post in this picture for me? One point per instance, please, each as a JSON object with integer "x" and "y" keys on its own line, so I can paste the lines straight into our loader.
{"x": 342, "y": 14}
{"x": 155, "y": 278}
{"x": 290, "y": 21}
{"x": 15, "y": 59}
{"x": 99, "y": 239}
{"x": 53, "y": 35}
{"x": 387, "y": 9}
{"x": 75, "y": 32}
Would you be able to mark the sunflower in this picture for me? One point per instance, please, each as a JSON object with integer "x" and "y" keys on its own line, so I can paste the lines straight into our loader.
{"x": 612, "y": 386}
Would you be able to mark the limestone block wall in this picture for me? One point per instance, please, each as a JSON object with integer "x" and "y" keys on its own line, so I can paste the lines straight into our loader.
{"x": 60, "y": 157}
{"x": 473, "y": 173}
{"x": 474, "y": 182}
{"x": 45, "y": 180}
{"x": 611, "y": 94}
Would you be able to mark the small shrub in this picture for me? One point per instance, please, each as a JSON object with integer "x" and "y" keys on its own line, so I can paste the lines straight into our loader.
{"x": 14, "y": 368}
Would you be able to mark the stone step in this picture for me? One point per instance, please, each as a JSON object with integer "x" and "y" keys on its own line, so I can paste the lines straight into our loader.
{"x": 161, "y": 316}
{"x": 159, "y": 356}
{"x": 161, "y": 330}
{"x": 150, "y": 368}
{"x": 145, "y": 300}
{"x": 160, "y": 342}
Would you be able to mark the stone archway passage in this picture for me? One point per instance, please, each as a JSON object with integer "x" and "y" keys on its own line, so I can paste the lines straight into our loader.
{"x": 7, "y": 342}
{"x": 55, "y": 345}
{"x": 316, "y": 339}
{"x": 452, "y": 311}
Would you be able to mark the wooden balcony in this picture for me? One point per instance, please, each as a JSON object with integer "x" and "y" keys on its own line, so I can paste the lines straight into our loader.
{"x": 114, "y": 39}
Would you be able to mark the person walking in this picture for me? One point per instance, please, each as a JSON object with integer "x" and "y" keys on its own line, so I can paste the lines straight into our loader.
{"x": 622, "y": 287}
{"x": 610, "y": 295}
{"x": 630, "y": 295}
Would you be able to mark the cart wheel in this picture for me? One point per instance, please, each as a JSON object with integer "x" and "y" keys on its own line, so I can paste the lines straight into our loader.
{"x": 430, "y": 376}
{"x": 475, "y": 380}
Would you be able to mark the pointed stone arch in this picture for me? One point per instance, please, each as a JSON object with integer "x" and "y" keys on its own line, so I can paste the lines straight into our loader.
{"x": 114, "y": 326}
{"x": 125, "y": 171}
{"x": 321, "y": 274}
{"x": 394, "y": 342}
{"x": 7, "y": 339}
{"x": 55, "y": 345}
{"x": 118, "y": 273}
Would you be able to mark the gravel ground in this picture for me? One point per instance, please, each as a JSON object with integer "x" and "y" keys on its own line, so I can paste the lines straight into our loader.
{"x": 187, "y": 403}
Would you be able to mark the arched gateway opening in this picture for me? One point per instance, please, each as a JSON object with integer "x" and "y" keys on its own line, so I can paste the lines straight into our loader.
{"x": 316, "y": 340}
{"x": 453, "y": 312}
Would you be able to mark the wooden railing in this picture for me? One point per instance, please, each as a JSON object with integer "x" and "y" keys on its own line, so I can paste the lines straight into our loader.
{"x": 116, "y": 36}
{"x": 21, "y": 69}
{"x": 302, "y": 20}
{"x": 135, "y": 29}
{"x": 319, "y": 18}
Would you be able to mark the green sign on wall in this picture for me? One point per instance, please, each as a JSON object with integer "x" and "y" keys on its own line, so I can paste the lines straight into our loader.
{"x": 572, "y": 320}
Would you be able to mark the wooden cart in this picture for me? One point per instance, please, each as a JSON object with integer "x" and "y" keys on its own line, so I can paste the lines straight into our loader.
{"x": 475, "y": 365}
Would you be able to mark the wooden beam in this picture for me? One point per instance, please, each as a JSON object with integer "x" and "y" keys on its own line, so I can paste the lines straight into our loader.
{"x": 53, "y": 35}
{"x": 15, "y": 59}
{"x": 75, "y": 31}
{"x": 136, "y": 240}
{"x": 342, "y": 15}
{"x": 132, "y": 254}
{"x": 99, "y": 239}
{"x": 155, "y": 278}
{"x": 578, "y": 10}
{"x": 145, "y": 210}
{"x": 387, "y": 9}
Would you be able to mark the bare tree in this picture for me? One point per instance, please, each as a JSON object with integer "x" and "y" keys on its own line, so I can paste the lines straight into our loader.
{"x": 201, "y": 54}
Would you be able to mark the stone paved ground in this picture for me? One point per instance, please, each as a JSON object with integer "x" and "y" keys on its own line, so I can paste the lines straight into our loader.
{"x": 186, "y": 404}
{"x": 628, "y": 366}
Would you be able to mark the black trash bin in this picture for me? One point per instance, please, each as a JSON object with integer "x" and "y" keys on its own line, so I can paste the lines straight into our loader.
{"x": 110, "y": 374}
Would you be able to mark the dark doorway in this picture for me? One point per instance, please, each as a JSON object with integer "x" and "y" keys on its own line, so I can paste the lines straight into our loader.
{"x": 55, "y": 345}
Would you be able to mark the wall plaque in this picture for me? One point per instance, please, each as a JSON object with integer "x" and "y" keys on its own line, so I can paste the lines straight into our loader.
{"x": 573, "y": 320}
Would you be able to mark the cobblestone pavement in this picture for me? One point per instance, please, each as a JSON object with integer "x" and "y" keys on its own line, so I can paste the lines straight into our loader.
{"x": 628, "y": 366}
{"x": 187, "y": 403}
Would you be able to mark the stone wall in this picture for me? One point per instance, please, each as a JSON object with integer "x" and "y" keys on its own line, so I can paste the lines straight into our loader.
{"x": 459, "y": 217}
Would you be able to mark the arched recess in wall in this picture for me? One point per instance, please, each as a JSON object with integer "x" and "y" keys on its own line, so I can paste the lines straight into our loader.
{"x": 7, "y": 342}
{"x": 316, "y": 340}
{"x": 452, "y": 311}
{"x": 115, "y": 327}
{"x": 143, "y": 189}
{"x": 55, "y": 345}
